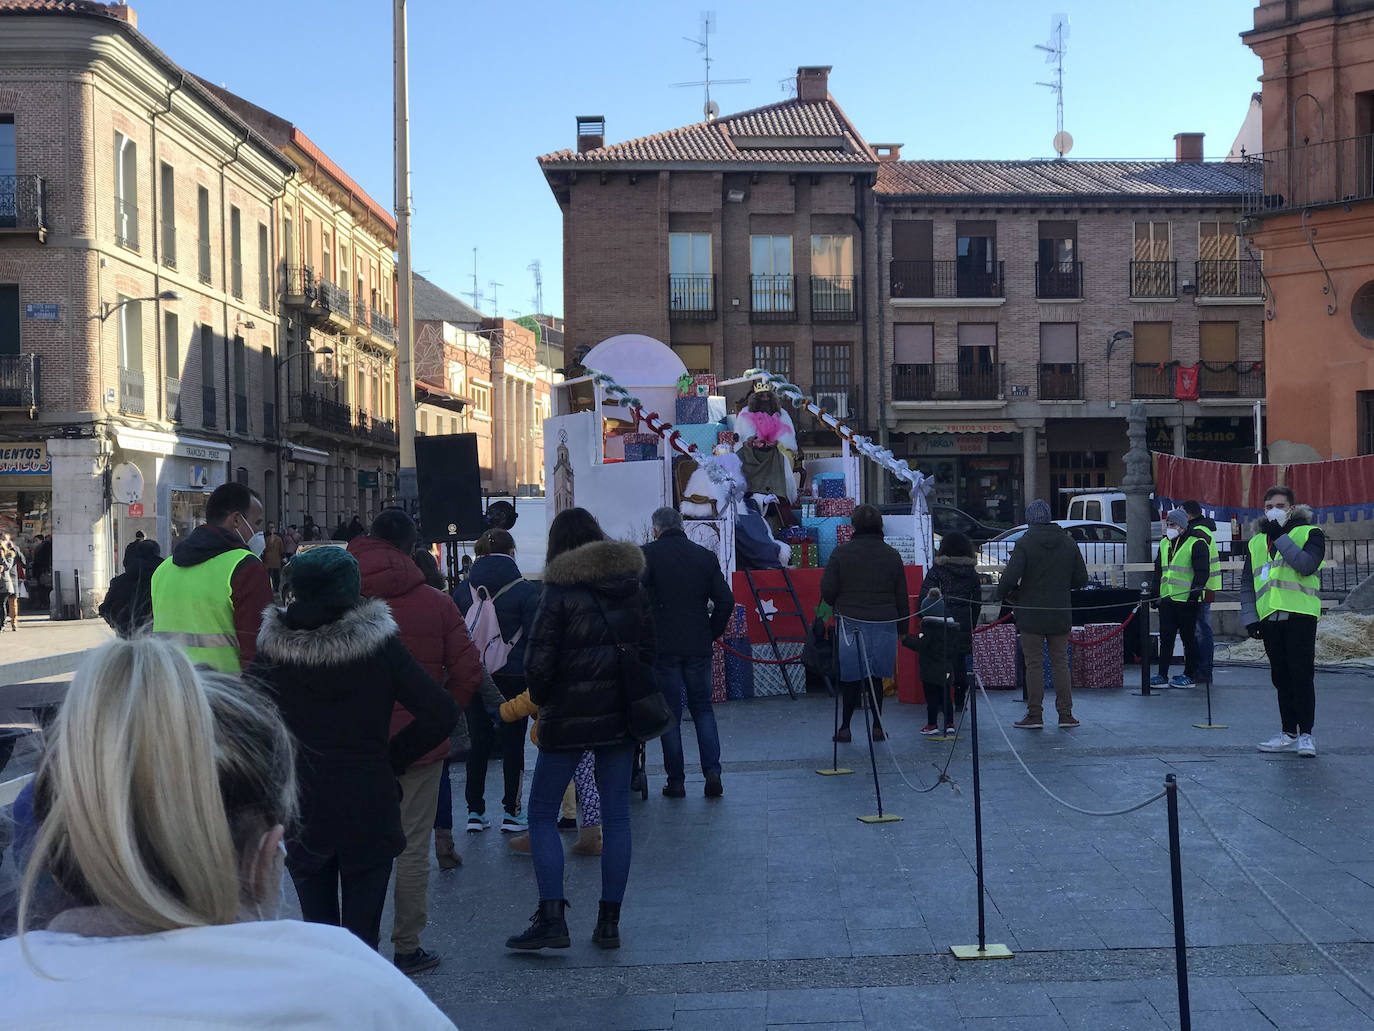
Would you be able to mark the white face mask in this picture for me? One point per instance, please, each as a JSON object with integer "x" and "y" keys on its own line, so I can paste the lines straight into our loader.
{"x": 255, "y": 543}
{"x": 1278, "y": 515}
{"x": 1172, "y": 532}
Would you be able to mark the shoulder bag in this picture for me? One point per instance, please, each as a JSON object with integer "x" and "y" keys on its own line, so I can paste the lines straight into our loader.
{"x": 646, "y": 710}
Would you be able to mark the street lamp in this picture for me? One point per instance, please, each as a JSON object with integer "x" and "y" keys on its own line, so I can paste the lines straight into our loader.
{"x": 1117, "y": 337}
{"x": 107, "y": 309}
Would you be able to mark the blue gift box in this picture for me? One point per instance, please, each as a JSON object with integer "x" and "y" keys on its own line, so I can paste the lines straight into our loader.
{"x": 692, "y": 410}
{"x": 831, "y": 486}
{"x": 703, "y": 435}
{"x": 825, "y": 533}
{"x": 739, "y": 671}
{"x": 641, "y": 452}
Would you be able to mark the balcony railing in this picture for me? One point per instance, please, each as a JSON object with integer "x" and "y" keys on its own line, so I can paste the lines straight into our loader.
{"x": 321, "y": 412}
{"x": 203, "y": 254}
{"x": 169, "y": 245}
{"x": 1061, "y": 381}
{"x": 932, "y": 279}
{"x": 773, "y": 299}
{"x": 1231, "y": 379}
{"x": 126, "y": 223}
{"x": 23, "y": 204}
{"x": 1154, "y": 279}
{"x": 382, "y": 326}
{"x": 360, "y": 314}
{"x": 1229, "y": 279}
{"x": 241, "y": 413}
{"x": 334, "y": 298}
{"x": 269, "y": 419}
{"x": 383, "y": 431}
{"x": 1331, "y": 172}
{"x": 130, "y": 391}
{"x": 832, "y": 299}
{"x": 236, "y": 279}
{"x": 947, "y": 381}
{"x": 1059, "y": 280}
{"x": 209, "y": 404}
{"x": 172, "y": 387}
{"x": 692, "y": 296}
{"x": 298, "y": 284}
{"x": 19, "y": 381}
{"x": 1151, "y": 380}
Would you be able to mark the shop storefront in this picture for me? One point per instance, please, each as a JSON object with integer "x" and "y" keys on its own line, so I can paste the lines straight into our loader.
{"x": 178, "y": 474}
{"x": 26, "y": 500}
{"x": 1209, "y": 438}
{"x": 977, "y": 468}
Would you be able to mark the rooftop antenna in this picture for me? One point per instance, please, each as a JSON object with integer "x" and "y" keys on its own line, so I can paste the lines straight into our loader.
{"x": 1054, "y": 54}
{"x": 475, "y": 293}
{"x": 537, "y": 268}
{"x": 708, "y": 25}
{"x": 495, "y": 308}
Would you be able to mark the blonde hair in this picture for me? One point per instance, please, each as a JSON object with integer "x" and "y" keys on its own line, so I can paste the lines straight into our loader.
{"x": 158, "y": 779}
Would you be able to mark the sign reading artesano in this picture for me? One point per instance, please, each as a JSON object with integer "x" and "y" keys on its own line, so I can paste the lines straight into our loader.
{"x": 24, "y": 459}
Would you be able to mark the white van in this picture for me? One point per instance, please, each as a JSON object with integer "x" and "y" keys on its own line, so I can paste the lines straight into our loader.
{"x": 1110, "y": 507}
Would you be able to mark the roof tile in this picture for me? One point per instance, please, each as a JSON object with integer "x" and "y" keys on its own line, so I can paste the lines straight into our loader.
{"x": 1055, "y": 178}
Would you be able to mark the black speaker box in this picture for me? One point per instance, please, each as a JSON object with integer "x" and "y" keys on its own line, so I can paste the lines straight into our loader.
{"x": 450, "y": 487}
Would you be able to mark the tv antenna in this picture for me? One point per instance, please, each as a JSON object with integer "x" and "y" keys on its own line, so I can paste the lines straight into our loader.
{"x": 1054, "y": 54}
{"x": 475, "y": 293}
{"x": 708, "y": 26}
{"x": 495, "y": 308}
{"x": 537, "y": 268}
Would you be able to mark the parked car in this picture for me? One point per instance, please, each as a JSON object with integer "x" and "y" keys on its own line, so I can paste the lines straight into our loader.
{"x": 947, "y": 519}
{"x": 1102, "y": 544}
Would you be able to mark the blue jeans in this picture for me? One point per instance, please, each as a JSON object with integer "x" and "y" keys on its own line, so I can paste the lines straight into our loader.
{"x": 1204, "y": 642}
{"x": 689, "y": 678}
{"x": 552, "y": 772}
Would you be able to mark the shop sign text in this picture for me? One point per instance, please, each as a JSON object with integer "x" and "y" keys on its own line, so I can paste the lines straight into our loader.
{"x": 24, "y": 459}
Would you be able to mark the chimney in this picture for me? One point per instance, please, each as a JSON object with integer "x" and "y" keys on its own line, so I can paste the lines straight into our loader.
{"x": 887, "y": 151}
{"x": 1188, "y": 147}
{"x": 591, "y": 132}
{"x": 813, "y": 83}
{"x": 123, "y": 12}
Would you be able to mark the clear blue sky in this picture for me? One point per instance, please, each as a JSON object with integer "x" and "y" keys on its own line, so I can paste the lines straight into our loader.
{"x": 493, "y": 85}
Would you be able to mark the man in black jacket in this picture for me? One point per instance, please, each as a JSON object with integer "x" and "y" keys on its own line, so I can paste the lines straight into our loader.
{"x": 682, "y": 578}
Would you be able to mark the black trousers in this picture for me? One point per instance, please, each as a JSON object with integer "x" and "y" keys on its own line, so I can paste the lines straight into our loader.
{"x": 363, "y": 896}
{"x": 939, "y": 700}
{"x": 1177, "y": 619}
{"x": 507, "y": 739}
{"x": 1291, "y": 645}
{"x": 850, "y": 689}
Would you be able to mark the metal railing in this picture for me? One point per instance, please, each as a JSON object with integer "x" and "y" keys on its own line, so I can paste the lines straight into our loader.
{"x": 932, "y": 279}
{"x": 383, "y": 326}
{"x": 1231, "y": 379}
{"x": 172, "y": 388}
{"x": 203, "y": 255}
{"x": 838, "y": 400}
{"x": 169, "y": 245}
{"x": 23, "y": 203}
{"x": 298, "y": 283}
{"x": 947, "y": 381}
{"x": 126, "y": 223}
{"x": 1330, "y": 172}
{"x": 1059, "y": 280}
{"x": 209, "y": 405}
{"x": 334, "y": 298}
{"x": 236, "y": 279}
{"x": 832, "y": 299}
{"x": 383, "y": 431}
{"x": 130, "y": 391}
{"x": 240, "y": 413}
{"x": 1061, "y": 381}
{"x": 1152, "y": 380}
{"x": 321, "y": 412}
{"x": 1229, "y": 278}
{"x": 269, "y": 419}
{"x": 691, "y": 296}
{"x": 360, "y": 315}
{"x": 19, "y": 381}
{"x": 1154, "y": 279}
{"x": 773, "y": 298}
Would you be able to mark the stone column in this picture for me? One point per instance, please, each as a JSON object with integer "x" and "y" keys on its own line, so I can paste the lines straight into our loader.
{"x": 80, "y": 523}
{"x": 1137, "y": 485}
{"x": 1180, "y": 438}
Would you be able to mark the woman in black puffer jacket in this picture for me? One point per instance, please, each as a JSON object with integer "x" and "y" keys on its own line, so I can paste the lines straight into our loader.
{"x": 592, "y": 599}
{"x": 955, "y": 573}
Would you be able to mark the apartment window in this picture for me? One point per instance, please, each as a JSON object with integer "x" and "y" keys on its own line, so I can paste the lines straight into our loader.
{"x": 240, "y": 384}
{"x": 269, "y": 394}
{"x": 1219, "y": 349}
{"x": 307, "y": 242}
{"x": 1058, "y": 270}
{"x": 1152, "y": 265}
{"x": 126, "y": 191}
{"x": 830, "y": 363}
{"x": 171, "y": 364}
{"x": 1153, "y": 242}
{"x": 1217, "y": 241}
{"x": 9, "y": 318}
{"x": 288, "y": 239}
{"x": 168, "y": 199}
{"x": 912, "y": 269}
{"x": 264, "y": 269}
{"x": 481, "y": 398}
{"x": 326, "y": 257}
{"x": 775, "y": 358}
{"x": 203, "y": 231}
{"x": 423, "y": 428}
{"x": 236, "y": 252}
{"x": 832, "y": 275}
{"x": 979, "y": 374}
{"x": 343, "y": 265}
{"x": 1059, "y": 372}
{"x": 914, "y": 375}
{"x": 770, "y": 262}
{"x": 976, "y": 271}
{"x": 1152, "y": 373}
{"x": 689, "y": 272}
{"x": 130, "y": 317}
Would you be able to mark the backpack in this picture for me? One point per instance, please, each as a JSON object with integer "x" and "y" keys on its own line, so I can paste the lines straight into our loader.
{"x": 485, "y": 630}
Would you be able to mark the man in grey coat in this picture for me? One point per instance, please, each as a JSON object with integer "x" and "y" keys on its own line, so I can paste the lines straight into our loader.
{"x": 1044, "y": 567}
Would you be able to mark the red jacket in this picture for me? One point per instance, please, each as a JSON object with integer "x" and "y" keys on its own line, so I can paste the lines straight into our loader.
{"x": 432, "y": 628}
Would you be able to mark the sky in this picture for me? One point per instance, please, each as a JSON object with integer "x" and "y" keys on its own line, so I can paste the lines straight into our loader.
{"x": 494, "y": 85}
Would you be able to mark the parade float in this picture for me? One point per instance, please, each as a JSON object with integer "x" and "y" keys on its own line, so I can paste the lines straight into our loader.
{"x": 635, "y": 432}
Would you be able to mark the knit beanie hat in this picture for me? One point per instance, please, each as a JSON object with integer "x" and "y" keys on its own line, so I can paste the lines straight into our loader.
{"x": 326, "y": 576}
{"x": 1178, "y": 517}
{"x": 1037, "y": 512}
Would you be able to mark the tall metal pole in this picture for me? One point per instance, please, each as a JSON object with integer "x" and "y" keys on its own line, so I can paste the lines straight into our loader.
{"x": 405, "y": 324}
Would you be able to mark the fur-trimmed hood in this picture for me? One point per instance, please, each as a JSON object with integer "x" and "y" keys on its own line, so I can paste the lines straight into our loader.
{"x": 956, "y": 560}
{"x": 358, "y": 633}
{"x": 1300, "y": 515}
{"x": 596, "y": 564}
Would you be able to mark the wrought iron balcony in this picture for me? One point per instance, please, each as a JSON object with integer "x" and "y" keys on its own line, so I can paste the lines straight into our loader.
{"x": 1149, "y": 379}
{"x": 209, "y": 417}
{"x": 382, "y": 326}
{"x": 169, "y": 245}
{"x": 23, "y": 205}
{"x": 360, "y": 314}
{"x": 19, "y": 381}
{"x": 130, "y": 391}
{"x": 1059, "y": 280}
{"x": 298, "y": 285}
{"x": 1061, "y": 381}
{"x": 203, "y": 256}
{"x": 946, "y": 279}
{"x": 1231, "y": 379}
{"x": 322, "y": 413}
{"x": 773, "y": 299}
{"x": 384, "y": 431}
{"x": 692, "y": 296}
{"x": 1229, "y": 279}
{"x": 334, "y": 300}
{"x": 1154, "y": 279}
{"x": 832, "y": 299}
{"x": 126, "y": 223}
{"x": 948, "y": 381}
{"x": 236, "y": 279}
{"x": 1330, "y": 172}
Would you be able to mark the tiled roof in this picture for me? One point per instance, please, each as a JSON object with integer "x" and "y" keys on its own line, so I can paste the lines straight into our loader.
{"x": 55, "y": 7}
{"x": 791, "y": 132}
{"x": 434, "y": 304}
{"x": 1065, "y": 178}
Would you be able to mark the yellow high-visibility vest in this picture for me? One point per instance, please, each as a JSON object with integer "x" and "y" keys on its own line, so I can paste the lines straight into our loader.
{"x": 1278, "y": 587}
{"x": 194, "y": 606}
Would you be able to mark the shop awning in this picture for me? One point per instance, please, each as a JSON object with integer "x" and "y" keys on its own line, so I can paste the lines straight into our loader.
{"x": 301, "y": 453}
{"x": 156, "y": 442}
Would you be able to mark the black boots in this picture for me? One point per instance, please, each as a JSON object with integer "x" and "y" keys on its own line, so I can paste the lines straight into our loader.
{"x": 607, "y": 933}
{"x": 548, "y": 929}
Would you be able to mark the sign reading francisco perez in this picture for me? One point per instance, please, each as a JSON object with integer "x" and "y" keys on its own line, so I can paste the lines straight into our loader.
{"x": 24, "y": 459}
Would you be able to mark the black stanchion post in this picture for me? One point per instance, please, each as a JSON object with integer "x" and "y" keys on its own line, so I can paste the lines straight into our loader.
{"x": 983, "y": 950}
{"x": 1143, "y": 614}
{"x": 870, "y": 702}
{"x": 1176, "y": 876}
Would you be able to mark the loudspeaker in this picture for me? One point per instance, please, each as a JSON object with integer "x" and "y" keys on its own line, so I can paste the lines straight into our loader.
{"x": 449, "y": 482}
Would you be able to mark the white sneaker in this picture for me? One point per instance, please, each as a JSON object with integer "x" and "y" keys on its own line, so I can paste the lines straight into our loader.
{"x": 1280, "y": 742}
{"x": 1307, "y": 748}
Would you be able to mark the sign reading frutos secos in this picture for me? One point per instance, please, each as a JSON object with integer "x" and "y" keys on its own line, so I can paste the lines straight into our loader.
{"x": 24, "y": 459}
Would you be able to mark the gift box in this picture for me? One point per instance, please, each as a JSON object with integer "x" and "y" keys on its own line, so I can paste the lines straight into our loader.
{"x": 702, "y": 384}
{"x": 691, "y": 410}
{"x": 904, "y": 546}
{"x": 826, "y": 531}
{"x": 1047, "y": 671}
{"x": 727, "y": 437}
{"x": 640, "y": 438}
{"x": 703, "y": 435}
{"x": 739, "y": 671}
{"x": 844, "y": 533}
{"x": 768, "y": 675}
{"x": 805, "y": 554}
{"x": 640, "y": 452}
{"x": 799, "y": 533}
{"x": 718, "y": 688}
{"x": 830, "y": 486}
{"x": 808, "y": 509}
{"x": 1097, "y": 655}
{"x": 828, "y": 507}
{"x": 738, "y": 626}
{"x": 994, "y": 656}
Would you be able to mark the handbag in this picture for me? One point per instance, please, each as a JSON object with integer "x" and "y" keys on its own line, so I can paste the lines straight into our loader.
{"x": 647, "y": 714}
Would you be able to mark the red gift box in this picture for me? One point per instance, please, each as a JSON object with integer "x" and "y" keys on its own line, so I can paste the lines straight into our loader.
{"x": 994, "y": 656}
{"x": 844, "y": 533}
{"x": 640, "y": 438}
{"x": 1097, "y": 655}
{"x": 703, "y": 384}
{"x": 805, "y": 554}
{"x": 717, "y": 672}
{"x": 727, "y": 437}
{"x": 829, "y": 508}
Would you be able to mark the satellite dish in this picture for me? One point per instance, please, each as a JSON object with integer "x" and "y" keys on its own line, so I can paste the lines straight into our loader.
{"x": 712, "y": 110}
{"x": 126, "y": 484}
{"x": 1063, "y": 143}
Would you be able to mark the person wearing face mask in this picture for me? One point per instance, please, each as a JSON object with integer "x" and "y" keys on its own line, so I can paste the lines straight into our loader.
{"x": 1181, "y": 571}
{"x": 1280, "y": 605}
{"x": 210, "y": 597}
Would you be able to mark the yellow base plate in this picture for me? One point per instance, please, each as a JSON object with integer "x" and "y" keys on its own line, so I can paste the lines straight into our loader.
{"x": 972, "y": 952}
{"x": 1212, "y": 726}
{"x": 833, "y": 773}
{"x": 942, "y": 737}
{"x": 885, "y": 818}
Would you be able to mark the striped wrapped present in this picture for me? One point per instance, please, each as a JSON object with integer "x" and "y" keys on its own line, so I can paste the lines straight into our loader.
{"x": 844, "y": 533}
{"x": 768, "y": 676}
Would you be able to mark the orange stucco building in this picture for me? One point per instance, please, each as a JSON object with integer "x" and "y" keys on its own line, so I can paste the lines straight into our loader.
{"x": 1314, "y": 223}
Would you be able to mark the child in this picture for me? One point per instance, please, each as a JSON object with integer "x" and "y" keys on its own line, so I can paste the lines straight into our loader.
{"x": 935, "y": 643}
